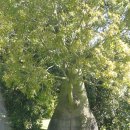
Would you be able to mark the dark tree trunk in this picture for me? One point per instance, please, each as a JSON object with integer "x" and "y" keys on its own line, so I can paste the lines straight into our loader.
{"x": 4, "y": 123}
{"x": 72, "y": 111}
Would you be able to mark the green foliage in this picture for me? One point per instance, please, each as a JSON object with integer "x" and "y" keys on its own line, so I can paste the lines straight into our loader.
{"x": 108, "y": 86}
{"x": 23, "y": 112}
{"x": 27, "y": 113}
{"x": 41, "y": 41}
{"x": 110, "y": 110}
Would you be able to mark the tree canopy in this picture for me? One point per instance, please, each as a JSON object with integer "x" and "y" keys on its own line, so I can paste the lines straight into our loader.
{"x": 41, "y": 40}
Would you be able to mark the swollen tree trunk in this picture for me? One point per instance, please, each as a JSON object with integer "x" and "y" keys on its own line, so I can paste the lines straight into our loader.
{"x": 72, "y": 111}
{"x": 4, "y": 123}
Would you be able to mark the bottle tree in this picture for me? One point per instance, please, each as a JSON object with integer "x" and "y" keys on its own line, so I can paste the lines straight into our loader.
{"x": 77, "y": 37}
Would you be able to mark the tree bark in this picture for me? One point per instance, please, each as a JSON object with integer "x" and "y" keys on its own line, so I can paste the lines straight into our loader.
{"x": 73, "y": 113}
{"x": 4, "y": 122}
